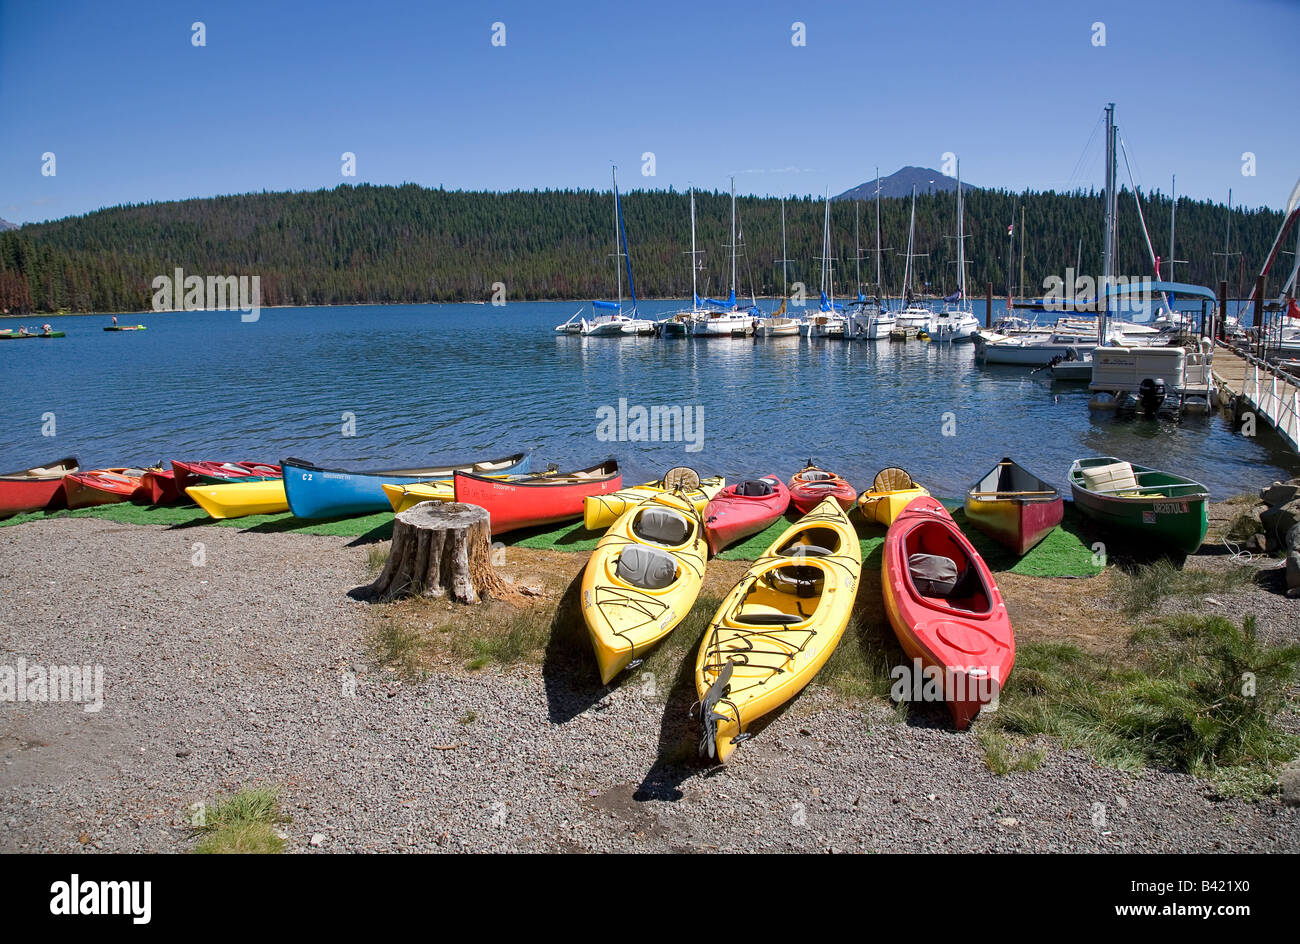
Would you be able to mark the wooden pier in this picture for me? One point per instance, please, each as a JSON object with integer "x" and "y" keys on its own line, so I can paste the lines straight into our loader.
{"x": 1259, "y": 387}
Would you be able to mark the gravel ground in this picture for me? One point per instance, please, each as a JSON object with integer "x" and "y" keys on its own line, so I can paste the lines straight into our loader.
{"x": 237, "y": 673}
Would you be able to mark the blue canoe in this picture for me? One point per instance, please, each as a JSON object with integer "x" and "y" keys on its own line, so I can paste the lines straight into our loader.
{"x": 316, "y": 492}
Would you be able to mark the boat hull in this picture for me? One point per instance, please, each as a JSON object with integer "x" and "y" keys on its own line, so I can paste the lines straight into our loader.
{"x": 600, "y": 511}
{"x": 102, "y": 487}
{"x": 240, "y": 499}
{"x": 968, "y": 640}
{"x": 189, "y": 473}
{"x": 732, "y": 517}
{"x": 807, "y": 493}
{"x": 1164, "y": 509}
{"x": 536, "y": 500}
{"x": 316, "y": 492}
{"x": 35, "y": 489}
{"x": 158, "y": 487}
{"x": 883, "y": 507}
{"x": 1016, "y": 521}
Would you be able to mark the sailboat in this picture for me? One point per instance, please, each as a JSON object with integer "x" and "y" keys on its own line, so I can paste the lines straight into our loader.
{"x": 829, "y": 321}
{"x": 871, "y": 321}
{"x": 679, "y": 325}
{"x": 617, "y": 321}
{"x": 778, "y": 324}
{"x": 913, "y": 318}
{"x": 955, "y": 321}
{"x": 726, "y": 319}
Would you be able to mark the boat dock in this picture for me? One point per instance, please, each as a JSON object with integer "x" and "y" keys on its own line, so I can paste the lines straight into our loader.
{"x": 1262, "y": 388}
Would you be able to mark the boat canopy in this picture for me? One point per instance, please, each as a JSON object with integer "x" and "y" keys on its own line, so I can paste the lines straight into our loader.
{"x": 609, "y": 306}
{"x": 1176, "y": 288}
{"x": 729, "y": 303}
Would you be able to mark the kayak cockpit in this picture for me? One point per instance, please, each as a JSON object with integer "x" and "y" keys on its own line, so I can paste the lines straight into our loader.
{"x": 941, "y": 574}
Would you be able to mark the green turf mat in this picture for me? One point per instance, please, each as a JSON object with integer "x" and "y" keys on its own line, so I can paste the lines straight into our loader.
{"x": 378, "y": 526}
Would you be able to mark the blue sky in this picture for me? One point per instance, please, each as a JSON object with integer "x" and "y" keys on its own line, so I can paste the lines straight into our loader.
{"x": 134, "y": 112}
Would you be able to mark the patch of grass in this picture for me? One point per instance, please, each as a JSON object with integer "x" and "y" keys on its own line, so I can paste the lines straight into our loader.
{"x": 1251, "y": 784}
{"x": 376, "y": 558}
{"x": 676, "y": 653}
{"x": 398, "y": 646}
{"x": 468, "y": 717}
{"x": 1192, "y": 693}
{"x": 243, "y": 824}
{"x": 520, "y": 639}
{"x": 1142, "y": 589}
{"x": 1003, "y": 757}
{"x": 861, "y": 664}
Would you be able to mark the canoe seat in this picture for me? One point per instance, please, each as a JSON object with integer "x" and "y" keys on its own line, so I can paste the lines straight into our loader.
{"x": 661, "y": 525}
{"x": 892, "y": 480}
{"x": 646, "y": 567}
{"x": 755, "y": 488}
{"x": 933, "y": 574}
{"x": 1114, "y": 477}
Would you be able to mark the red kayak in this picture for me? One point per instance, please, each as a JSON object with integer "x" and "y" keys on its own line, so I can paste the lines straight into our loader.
{"x": 740, "y": 510}
{"x": 537, "y": 499}
{"x": 945, "y": 609}
{"x": 35, "y": 488}
{"x": 219, "y": 473}
{"x": 102, "y": 486}
{"x": 811, "y": 486}
{"x": 159, "y": 486}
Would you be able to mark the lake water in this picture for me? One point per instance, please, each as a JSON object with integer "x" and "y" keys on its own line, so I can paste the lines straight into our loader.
{"x": 427, "y": 383}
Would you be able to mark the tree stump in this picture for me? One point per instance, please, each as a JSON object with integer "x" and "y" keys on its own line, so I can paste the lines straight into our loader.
{"x": 440, "y": 550}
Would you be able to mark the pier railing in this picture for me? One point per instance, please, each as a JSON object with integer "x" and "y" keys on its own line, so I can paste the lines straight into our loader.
{"x": 1271, "y": 393}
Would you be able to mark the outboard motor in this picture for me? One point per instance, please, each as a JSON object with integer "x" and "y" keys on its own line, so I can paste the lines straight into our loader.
{"x": 1151, "y": 395}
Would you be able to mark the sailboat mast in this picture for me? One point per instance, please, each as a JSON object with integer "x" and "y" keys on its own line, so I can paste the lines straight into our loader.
{"x": 880, "y": 289}
{"x": 1227, "y": 239}
{"x": 857, "y": 245}
{"x": 618, "y": 258}
{"x": 695, "y": 295}
{"x": 907, "y": 266}
{"x": 961, "y": 240}
{"x": 785, "y": 262}
{"x": 733, "y": 237}
{"x": 1173, "y": 211}
{"x": 1108, "y": 252}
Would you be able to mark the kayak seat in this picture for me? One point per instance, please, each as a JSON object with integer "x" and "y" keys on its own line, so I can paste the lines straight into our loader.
{"x": 662, "y": 526}
{"x": 646, "y": 567}
{"x": 798, "y": 579}
{"x": 814, "y": 475}
{"x": 754, "y": 488}
{"x": 933, "y": 574}
{"x": 892, "y": 480}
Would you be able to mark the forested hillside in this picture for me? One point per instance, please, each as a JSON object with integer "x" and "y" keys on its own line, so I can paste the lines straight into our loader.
{"x": 411, "y": 244}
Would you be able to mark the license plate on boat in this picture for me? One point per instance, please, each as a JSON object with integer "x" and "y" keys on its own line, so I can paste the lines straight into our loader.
{"x": 1169, "y": 508}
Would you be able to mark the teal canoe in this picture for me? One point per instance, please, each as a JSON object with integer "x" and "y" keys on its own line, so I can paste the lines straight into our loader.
{"x": 1147, "y": 505}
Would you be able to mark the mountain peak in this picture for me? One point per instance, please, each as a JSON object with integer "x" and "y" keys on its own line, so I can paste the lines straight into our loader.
{"x": 5, "y": 224}
{"x": 900, "y": 183}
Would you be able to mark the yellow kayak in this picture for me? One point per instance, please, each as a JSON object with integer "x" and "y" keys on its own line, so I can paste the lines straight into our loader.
{"x": 777, "y": 626}
{"x": 402, "y": 497}
{"x": 237, "y": 499}
{"x": 642, "y": 579}
{"x": 889, "y": 494}
{"x": 600, "y": 511}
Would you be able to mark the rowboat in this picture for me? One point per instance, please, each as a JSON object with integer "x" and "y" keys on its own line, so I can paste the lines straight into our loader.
{"x": 1146, "y": 504}
{"x": 890, "y": 492}
{"x": 744, "y": 509}
{"x": 641, "y": 580}
{"x": 239, "y": 499}
{"x": 35, "y": 488}
{"x": 777, "y": 626}
{"x": 217, "y": 473}
{"x": 317, "y": 492}
{"x": 158, "y": 486}
{"x": 1014, "y": 507}
{"x": 102, "y": 486}
{"x": 600, "y": 511}
{"x": 538, "y": 499}
{"x": 810, "y": 486}
{"x": 946, "y": 610}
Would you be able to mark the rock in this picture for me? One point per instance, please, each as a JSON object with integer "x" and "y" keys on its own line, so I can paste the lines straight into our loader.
{"x": 1289, "y": 780}
{"x": 1280, "y": 493}
{"x": 1009, "y": 821}
{"x": 318, "y": 840}
{"x": 1293, "y": 539}
{"x": 1279, "y": 521}
{"x": 1293, "y": 571}
{"x": 1256, "y": 544}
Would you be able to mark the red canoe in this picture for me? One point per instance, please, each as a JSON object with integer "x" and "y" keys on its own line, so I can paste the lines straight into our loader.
{"x": 35, "y": 488}
{"x": 946, "y": 609}
{"x": 102, "y": 486}
{"x": 218, "y": 473}
{"x": 740, "y": 510}
{"x": 1014, "y": 507}
{"x": 811, "y": 486}
{"x": 537, "y": 499}
{"x": 159, "y": 486}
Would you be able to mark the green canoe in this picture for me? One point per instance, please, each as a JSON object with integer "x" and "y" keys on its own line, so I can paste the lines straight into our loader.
{"x": 1147, "y": 505}
{"x": 9, "y": 335}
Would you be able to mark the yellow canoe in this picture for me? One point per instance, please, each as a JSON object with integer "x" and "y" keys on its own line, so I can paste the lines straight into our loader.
{"x": 642, "y": 579}
{"x": 600, "y": 511}
{"x": 890, "y": 493}
{"x": 237, "y": 499}
{"x": 402, "y": 497}
{"x": 777, "y": 626}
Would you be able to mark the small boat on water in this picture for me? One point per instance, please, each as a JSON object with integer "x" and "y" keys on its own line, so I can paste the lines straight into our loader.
{"x": 188, "y": 473}
{"x": 36, "y": 488}
{"x": 102, "y": 487}
{"x": 1014, "y": 507}
{"x": 138, "y": 327}
{"x": 1147, "y": 505}
{"x": 22, "y": 334}
{"x": 535, "y": 500}
{"x": 778, "y": 626}
{"x": 946, "y": 609}
{"x": 744, "y": 509}
{"x": 642, "y": 580}
{"x": 810, "y": 486}
{"x": 600, "y": 511}
{"x": 314, "y": 491}
{"x": 890, "y": 492}
{"x": 240, "y": 499}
